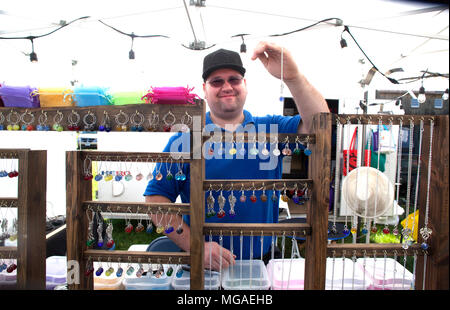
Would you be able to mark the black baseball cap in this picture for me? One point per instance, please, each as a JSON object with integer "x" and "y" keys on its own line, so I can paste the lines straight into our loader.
{"x": 221, "y": 59}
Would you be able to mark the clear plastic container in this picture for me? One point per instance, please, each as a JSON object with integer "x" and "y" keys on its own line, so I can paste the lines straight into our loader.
{"x": 343, "y": 274}
{"x": 8, "y": 281}
{"x": 245, "y": 275}
{"x": 387, "y": 274}
{"x": 149, "y": 282}
{"x": 56, "y": 271}
{"x": 286, "y": 274}
{"x": 212, "y": 281}
{"x": 111, "y": 282}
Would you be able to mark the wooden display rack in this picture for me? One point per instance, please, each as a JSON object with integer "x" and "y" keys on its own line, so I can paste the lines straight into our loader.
{"x": 31, "y": 204}
{"x": 315, "y": 228}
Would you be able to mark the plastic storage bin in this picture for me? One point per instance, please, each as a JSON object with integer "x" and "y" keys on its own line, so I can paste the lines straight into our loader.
{"x": 212, "y": 281}
{"x": 286, "y": 274}
{"x": 245, "y": 275}
{"x": 56, "y": 271}
{"x": 343, "y": 274}
{"x": 149, "y": 282}
{"x": 387, "y": 274}
{"x": 111, "y": 282}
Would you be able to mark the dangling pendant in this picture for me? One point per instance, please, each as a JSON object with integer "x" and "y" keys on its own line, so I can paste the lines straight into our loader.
{"x": 99, "y": 271}
{"x": 265, "y": 151}
{"x": 109, "y": 271}
{"x": 129, "y": 228}
{"x": 130, "y": 270}
{"x": 168, "y": 123}
{"x": 169, "y": 271}
{"x": 210, "y": 201}
{"x": 100, "y": 233}
{"x": 364, "y": 230}
{"x": 263, "y": 196}
{"x": 119, "y": 272}
{"x": 253, "y": 151}
{"x": 179, "y": 273}
{"x": 139, "y": 228}
{"x": 353, "y": 230}
{"x": 160, "y": 229}
{"x": 386, "y": 230}
{"x": 221, "y": 202}
{"x": 109, "y": 230}
{"x": 232, "y": 202}
{"x": 374, "y": 229}
{"x": 253, "y": 197}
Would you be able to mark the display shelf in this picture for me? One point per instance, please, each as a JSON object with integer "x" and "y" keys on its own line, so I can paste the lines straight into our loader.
{"x": 31, "y": 216}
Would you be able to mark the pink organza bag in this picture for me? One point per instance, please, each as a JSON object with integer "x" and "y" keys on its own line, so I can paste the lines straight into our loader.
{"x": 170, "y": 95}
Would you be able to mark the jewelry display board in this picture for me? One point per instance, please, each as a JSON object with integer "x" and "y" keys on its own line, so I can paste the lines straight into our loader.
{"x": 31, "y": 217}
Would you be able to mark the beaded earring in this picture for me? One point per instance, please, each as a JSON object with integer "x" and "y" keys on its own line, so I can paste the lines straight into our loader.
{"x": 105, "y": 125}
{"x": 286, "y": 150}
{"x": 210, "y": 202}
{"x": 150, "y": 169}
{"x": 186, "y": 122}
{"x": 232, "y": 202}
{"x": 276, "y": 151}
{"x": 121, "y": 119}
{"x": 99, "y": 270}
{"x": 99, "y": 230}
{"x": 27, "y": 122}
{"x": 159, "y": 227}
{"x": 139, "y": 175}
{"x": 153, "y": 121}
{"x": 2, "y": 119}
{"x": 221, "y": 202}
{"x": 139, "y": 227}
{"x": 130, "y": 268}
{"x": 137, "y": 125}
{"x": 149, "y": 227}
{"x": 89, "y": 267}
{"x": 42, "y": 122}
{"x": 169, "y": 175}
{"x": 180, "y": 176}
{"x": 90, "y": 216}
{"x": 89, "y": 121}
{"x": 119, "y": 271}
{"x": 13, "y": 119}
{"x": 98, "y": 175}
{"x": 158, "y": 175}
{"x": 73, "y": 123}
{"x": 109, "y": 230}
{"x": 129, "y": 226}
{"x": 242, "y": 198}
{"x": 110, "y": 269}
{"x": 87, "y": 165}
{"x": 168, "y": 119}
{"x": 180, "y": 226}
{"x": 169, "y": 228}
{"x": 57, "y": 119}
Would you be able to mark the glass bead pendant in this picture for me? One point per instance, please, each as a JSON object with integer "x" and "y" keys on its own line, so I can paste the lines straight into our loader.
{"x": 110, "y": 243}
{"x": 128, "y": 177}
{"x": 284, "y": 197}
{"x": 169, "y": 229}
{"x": 232, "y": 150}
{"x": 169, "y": 176}
{"x": 374, "y": 229}
{"x": 179, "y": 273}
{"x": 139, "y": 176}
{"x": 253, "y": 198}
{"x": 395, "y": 231}
{"x": 242, "y": 198}
{"x": 109, "y": 271}
{"x": 169, "y": 271}
{"x": 307, "y": 152}
{"x": 253, "y": 151}
{"x": 129, "y": 228}
{"x": 263, "y": 197}
{"x": 119, "y": 272}
{"x": 149, "y": 229}
{"x": 179, "y": 230}
{"x": 99, "y": 271}
{"x": 345, "y": 230}
{"x": 149, "y": 176}
{"x": 353, "y": 230}
{"x": 139, "y": 227}
{"x": 159, "y": 229}
{"x": 130, "y": 270}
{"x": 364, "y": 230}
{"x": 265, "y": 151}
{"x": 159, "y": 177}
{"x": 286, "y": 151}
{"x": 424, "y": 246}
{"x": 386, "y": 230}
{"x": 98, "y": 177}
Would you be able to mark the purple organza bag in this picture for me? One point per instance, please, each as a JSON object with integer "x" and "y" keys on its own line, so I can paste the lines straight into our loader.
{"x": 19, "y": 96}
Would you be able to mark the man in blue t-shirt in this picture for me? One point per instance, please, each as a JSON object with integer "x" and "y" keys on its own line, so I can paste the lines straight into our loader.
{"x": 225, "y": 92}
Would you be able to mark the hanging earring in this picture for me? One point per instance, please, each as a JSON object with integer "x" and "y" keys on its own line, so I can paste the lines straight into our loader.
{"x": 153, "y": 121}
{"x": 119, "y": 271}
{"x": 42, "y": 122}
{"x": 110, "y": 269}
{"x": 264, "y": 150}
{"x": 210, "y": 201}
{"x": 180, "y": 227}
{"x": 98, "y": 175}
{"x": 89, "y": 267}
{"x": 121, "y": 121}
{"x": 170, "y": 269}
{"x": 286, "y": 150}
{"x": 232, "y": 149}
{"x": 13, "y": 119}
{"x": 159, "y": 227}
{"x": 105, "y": 124}
{"x": 179, "y": 272}
{"x": 89, "y": 121}
{"x": 139, "y": 175}
{"x": 263, "y": 196}
{"x": 119, "y": 173}
{"x": 158, "y": 175}
{"x": 169, "y": 175}
{"x": 242, "y": 198}
{"x": 130, "y": 268}
{"x": 99, "y": 229}
{"x": 140, "y": 270}
{"x": 137, "y": 125}
{"x": 108, "y": 173}
{"x": 73, "y": 123}
{"x": 186, "y": 122}
{"x": 27, "y": 122}
{"x": 129, "y": 227}
{"x": 232, "y": 202}
{"x": 253, "y": 151}
{"x": 297, "y": 149}
{"x": 276, "y": 150}
{"x": 109, "y": 230}
{"x": 253, "y": 197}
{"x": 87, "y": 165}
{"x": 149, "y": 228}
{"x": 307, "y": 151}
{"x": 139, "y": 227}
{"x": 180, "y": 176}
{"x": 295, "y": 197}
{"x": 2, "y": 119}
{"x": 242, "y": 150}
{"x": 90, "y": 239}
{"x": 221, "y": 202}
{"x": 169, "y": 227}
{"x": 284, "y": 197}
{"x": 99, "y": 270}
{"x": 57, "y": 119}
{"x": 168, "y": 119}
{"x": 150, "y": 169}
{"x": 128, "y": 176}
{"x": 274, "y": 196}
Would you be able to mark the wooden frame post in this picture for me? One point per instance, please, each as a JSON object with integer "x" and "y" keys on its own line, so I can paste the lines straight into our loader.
{"x": 77, "y": 191}
{"x": 436, "y": 271}
{"x": 31, "y": 213}
{"x": 317, "y": 215}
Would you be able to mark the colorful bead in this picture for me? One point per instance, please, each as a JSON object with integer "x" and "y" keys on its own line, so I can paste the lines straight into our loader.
{"x": 99, "y": 271}
{"x": 364, "y": 230}
{"x": 159, "y": 229}
{"x": 169, "y": 271}
{"x": 221, "y": 214}
{"x": 374, "y": 229}
{"x": 110, "y": 243}
{"x": 253, "y": 198}
{"x": 395, "y": 232}
{"x": 130, "y": 270}
{"x": 139, "y": 228}
{"x": 263, "y": 197}
{"x": 179, "y": 230}
{"x": 109, "y": 271}
{"x": 149, "y": 229}
{"x": 424, "y": 246}
{"x": 129, "y": 228}
{"x": 242, "y": 198}
{"x": 119, "y": 272}
{"x": 307, "y": 152}
{"x": 179, "y": 273}
{"x": 169, "y": 229}
{"x": 11, "y": 268}
{"x": 353, "y": 230}
{"x": 386, "y": 230}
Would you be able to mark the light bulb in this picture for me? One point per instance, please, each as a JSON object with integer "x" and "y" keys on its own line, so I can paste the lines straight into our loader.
{"x": 33, "y": 57}
{"x": 445, "y": 95}
{"x": 421, "y": 98}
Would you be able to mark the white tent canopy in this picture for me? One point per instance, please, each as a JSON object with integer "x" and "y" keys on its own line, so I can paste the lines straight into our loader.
{"x": 394, "y": 34}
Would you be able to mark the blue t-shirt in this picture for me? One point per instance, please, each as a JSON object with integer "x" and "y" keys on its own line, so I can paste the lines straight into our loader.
{"x": 221, "y": 164}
